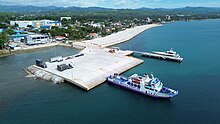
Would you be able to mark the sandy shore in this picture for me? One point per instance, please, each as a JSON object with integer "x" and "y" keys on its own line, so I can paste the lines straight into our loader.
{"x": 121, "y": 36}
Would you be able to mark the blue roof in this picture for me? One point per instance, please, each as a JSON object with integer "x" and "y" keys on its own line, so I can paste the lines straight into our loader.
{"x": 1, "y": 30}
{"x": 44, "y": 27}
{"x": 18, "y": 31}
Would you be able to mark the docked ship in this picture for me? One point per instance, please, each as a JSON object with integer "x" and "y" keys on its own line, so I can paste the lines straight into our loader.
{"x": 170, "y": 53}
{"x": 146, "y": 85}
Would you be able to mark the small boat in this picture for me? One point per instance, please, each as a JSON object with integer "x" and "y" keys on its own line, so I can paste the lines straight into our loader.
{"x": 170, "y": 53}
{"x": 146, "y": 85}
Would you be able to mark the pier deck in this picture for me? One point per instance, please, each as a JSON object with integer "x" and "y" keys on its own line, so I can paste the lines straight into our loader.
{"x": 92, "y": 69}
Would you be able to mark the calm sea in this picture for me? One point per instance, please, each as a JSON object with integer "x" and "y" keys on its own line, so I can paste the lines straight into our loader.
{"x": 24, "y": 100}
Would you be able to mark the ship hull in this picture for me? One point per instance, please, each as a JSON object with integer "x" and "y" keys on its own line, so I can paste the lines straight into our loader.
{"x": 139, "y": 91}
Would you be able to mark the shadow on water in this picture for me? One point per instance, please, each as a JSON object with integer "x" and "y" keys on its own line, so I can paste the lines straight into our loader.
{"x": 74, "y": 86}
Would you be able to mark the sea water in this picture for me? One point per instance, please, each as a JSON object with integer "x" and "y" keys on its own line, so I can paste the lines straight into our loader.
{"x": 25, "y": 100}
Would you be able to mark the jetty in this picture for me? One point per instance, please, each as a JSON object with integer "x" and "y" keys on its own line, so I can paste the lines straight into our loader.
{"x": 153, "y": 55}
{"x": 93, "y": 64}
{"x": 90, "y": 67}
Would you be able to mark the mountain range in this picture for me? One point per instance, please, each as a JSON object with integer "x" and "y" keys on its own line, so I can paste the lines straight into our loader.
{"x": 34, "y": 9}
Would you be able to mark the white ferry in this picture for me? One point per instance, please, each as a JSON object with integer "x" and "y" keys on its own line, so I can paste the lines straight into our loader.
{"x": 150, "y": 86}
{"x": 170, "y": 52}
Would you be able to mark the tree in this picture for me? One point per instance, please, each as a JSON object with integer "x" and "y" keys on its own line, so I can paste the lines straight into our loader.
{"x": 44, "y": 31}
{"x": 10, "y": 31}
{"x": 16, "y": 25}
{"x": 3, "y": 39}
{"x": 3, "y": 25}
{"x": 30, "y": 26}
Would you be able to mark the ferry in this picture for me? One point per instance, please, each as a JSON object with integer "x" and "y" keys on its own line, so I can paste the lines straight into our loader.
{"x": 170, "y": 53}
{"x": 146, "y": 85}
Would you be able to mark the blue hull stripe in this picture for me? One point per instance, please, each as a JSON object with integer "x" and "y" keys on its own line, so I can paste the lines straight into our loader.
{"x": 137, "y": 90}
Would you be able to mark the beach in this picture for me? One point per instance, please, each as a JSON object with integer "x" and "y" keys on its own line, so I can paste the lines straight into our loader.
{"x": 121, "y": 36}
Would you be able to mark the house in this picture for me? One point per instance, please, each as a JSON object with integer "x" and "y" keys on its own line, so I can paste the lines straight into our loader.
{"x": 97, "y": 25}
{"x": 18, "y": 37}
{"x": 60, "y": 38}
{"x": 149, "y": 20}
{"x": 168, "y": 17}
{"x": 67, "y": 18}
{"x": 93, "y": 35}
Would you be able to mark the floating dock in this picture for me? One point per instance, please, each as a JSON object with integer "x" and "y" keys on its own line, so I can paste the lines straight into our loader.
{"x": 153, "y": 55}
{"x": 93, "y": 67}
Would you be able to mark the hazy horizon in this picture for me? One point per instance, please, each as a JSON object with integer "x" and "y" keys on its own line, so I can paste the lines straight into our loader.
{"x": 115, "y": 4}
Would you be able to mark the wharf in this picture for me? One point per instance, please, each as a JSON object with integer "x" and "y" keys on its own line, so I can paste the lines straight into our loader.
{"x": 93, "y": 67}
{"x": 152, "y": 55}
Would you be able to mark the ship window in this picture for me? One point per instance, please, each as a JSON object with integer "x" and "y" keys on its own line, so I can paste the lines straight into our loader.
{"x": 128, "y": 83}
{"x": 135, "y": 85}
{"x": 131, "y": 84}
{"x": 139, "y": 86}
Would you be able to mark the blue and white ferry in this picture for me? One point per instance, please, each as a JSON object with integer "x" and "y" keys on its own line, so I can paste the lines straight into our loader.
{"x": 150, "y": 86}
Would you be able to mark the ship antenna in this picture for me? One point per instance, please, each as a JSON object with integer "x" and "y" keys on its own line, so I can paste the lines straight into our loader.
{"x": 152, "y": 75}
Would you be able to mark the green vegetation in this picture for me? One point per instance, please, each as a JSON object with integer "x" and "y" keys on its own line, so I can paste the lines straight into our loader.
{"x": 3, "y": 39}
{"x": 81, "y": 25}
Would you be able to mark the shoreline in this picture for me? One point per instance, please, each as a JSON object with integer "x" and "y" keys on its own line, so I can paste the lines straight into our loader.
{"x": 4, "y": 53}
{"x": 107, "y": 41}
{"x": 121, "y": 36}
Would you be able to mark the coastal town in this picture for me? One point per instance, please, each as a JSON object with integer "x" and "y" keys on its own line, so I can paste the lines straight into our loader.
{"x": 109, "y": 61}
{"x": 19, "y": 31}
{"x": 18, "y": 35}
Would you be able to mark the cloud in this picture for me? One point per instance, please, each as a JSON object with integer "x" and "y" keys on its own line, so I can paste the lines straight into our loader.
{"x": 51, "y": 2}
{"x": 120, "y": 2}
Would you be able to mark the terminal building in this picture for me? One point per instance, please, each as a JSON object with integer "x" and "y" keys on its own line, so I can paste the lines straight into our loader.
{"x": 36, "y": 39}
{"x": 36, "y": 23}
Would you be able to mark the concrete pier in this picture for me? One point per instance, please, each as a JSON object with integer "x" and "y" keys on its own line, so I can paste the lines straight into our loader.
{"x": 93, "y": 67}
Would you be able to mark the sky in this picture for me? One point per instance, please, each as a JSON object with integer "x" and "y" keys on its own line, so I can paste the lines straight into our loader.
{"x": 117, "y": 4}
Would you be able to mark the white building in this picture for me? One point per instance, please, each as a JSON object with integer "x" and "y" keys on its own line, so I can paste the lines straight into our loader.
{"x": 21, "y": 24}
{"x": 36, "y": 23}
{"x": 149, "y": 20}
{"x": 98, "y": 25}
{"x": 168, "y": 17}
{"x": 36, "y": 39}
{"x": 67, "y": 18}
